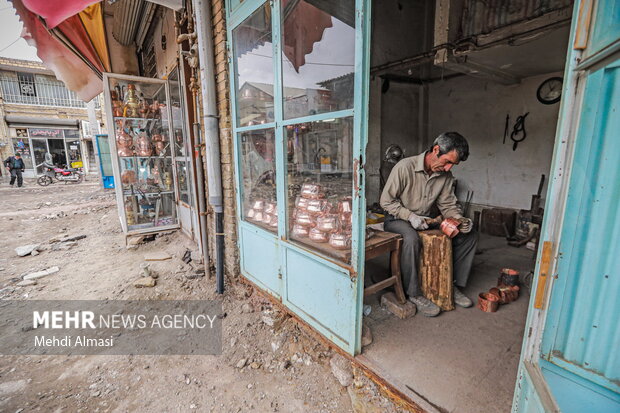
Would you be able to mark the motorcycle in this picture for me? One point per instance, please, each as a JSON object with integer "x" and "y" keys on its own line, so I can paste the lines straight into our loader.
{"x": 52, "y": 173}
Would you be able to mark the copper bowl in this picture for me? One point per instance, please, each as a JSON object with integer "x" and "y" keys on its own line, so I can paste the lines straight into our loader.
{"x": 340, "y": 240}
{"x": 299, "y": 231}
{"x": 251, "y": 214}
{"x": 317, "y": 235}
{"x": 450, "y": 227}
{"x": 312, "y": 191}
{"x": 488, "y": 302}
{"x": 318, "y": 206}
{"x": 327, "y": 223}
{"x": 305, "y": 219}
{"x": 508, "y": 276}
{"x": 301, "y": 203}
{"x": 258, "y": 216}
{"x": 345, "y": 220}
{"x": 345, "y": 206}
{"x": 258, "y": 205}
{"x": 270, "y": 208}
{"x": 274, "y": 221}
{"x": 266, "y": 218}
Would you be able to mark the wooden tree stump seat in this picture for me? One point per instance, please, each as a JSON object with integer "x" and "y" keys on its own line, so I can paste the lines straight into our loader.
{"x": 435, "y": 268}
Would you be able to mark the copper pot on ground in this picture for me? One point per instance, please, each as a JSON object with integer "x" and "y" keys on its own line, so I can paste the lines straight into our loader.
{"x": 450, "y": 227}
{"x": 508, "y": 276}
{"x": 487, "y": 302}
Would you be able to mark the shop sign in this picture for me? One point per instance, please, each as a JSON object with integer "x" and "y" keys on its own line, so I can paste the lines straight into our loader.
{"x": 45, "y": 133}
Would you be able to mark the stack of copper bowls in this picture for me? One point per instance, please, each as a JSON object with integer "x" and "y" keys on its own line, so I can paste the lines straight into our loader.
{"x": 263, "y": 212}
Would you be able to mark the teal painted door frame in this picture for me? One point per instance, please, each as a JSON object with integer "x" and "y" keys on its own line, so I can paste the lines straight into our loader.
{"x": 325, "y": 293}
{"x": 569, "y": 359}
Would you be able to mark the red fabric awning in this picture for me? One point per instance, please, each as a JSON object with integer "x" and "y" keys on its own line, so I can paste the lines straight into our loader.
{"x": 55, "y": 12}
{"x": 70, "y": 66}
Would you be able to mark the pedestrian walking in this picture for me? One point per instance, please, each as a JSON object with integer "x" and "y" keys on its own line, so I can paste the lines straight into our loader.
{"x": 15, "y": 166}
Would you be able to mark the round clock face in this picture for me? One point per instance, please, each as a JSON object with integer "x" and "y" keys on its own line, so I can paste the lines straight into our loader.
{"x": 550, "y": 91}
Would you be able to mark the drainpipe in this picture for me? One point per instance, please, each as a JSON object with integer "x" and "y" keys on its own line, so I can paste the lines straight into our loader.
{"x": 202, "y": 11}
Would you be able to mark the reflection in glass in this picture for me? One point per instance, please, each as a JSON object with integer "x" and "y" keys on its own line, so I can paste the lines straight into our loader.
{"x": 319, "y": 156}
{"x": 39, "y": 147}
{"x": 254, "y": 68}
{"x": 318, "y": 62}
{"x": 182, "y": 147}
{"x": 258, "y": 174}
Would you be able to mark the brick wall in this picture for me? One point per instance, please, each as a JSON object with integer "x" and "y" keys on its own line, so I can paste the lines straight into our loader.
{"x": 226, "y": 143}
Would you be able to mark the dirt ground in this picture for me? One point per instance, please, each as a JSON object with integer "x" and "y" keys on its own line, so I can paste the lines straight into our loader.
{"x": 262, "y": 368}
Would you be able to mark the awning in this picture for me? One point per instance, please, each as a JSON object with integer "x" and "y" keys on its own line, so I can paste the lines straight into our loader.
{"x": 69, "y": 40}
{"x": 17, "y": 121}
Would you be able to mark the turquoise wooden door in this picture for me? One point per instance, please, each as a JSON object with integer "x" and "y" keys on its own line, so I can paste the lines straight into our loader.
{"x": 299, "y": 91}
{"x": 570, "y": 361}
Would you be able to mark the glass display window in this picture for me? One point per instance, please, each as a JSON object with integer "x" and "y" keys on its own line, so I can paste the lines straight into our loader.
{"x": 318, "y": 58}
{"x": 258, "y": 176}
{"x": 253, "y": 57}
{"x": 21, "y": 146}
{"x": 319, "y": 179}
{"x": 144, "y": 164}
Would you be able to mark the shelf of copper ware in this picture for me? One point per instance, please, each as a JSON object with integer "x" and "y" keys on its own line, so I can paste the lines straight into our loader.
{"x": 127, "y": 192}
{"x": 152, "y": 156}
{"x": 135, "y": 119}
{"x": 343, "y": 255}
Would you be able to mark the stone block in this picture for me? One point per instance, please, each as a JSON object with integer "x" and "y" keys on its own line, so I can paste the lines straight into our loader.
{"x": 402, "y": 311}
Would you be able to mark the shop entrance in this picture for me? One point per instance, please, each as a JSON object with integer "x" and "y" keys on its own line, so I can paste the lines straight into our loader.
{"x": 503, "y": 96}
{"x": 57, "y": 150}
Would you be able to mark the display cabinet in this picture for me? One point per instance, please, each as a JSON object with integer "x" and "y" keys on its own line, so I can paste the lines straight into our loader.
{"x": 142, "y": 138}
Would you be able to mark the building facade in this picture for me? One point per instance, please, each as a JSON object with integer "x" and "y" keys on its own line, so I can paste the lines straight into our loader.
{"x": 38, "y": 114}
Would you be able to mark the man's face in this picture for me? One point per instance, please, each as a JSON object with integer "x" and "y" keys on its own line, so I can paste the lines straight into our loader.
{"x": 444, "y": 162}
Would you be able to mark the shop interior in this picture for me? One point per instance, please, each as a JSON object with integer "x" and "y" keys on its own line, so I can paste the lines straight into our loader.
{"x": 491, "y": 77}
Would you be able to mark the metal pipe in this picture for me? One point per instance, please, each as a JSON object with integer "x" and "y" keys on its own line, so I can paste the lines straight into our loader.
{"x": 202, "y": 12}
{"x": 200, "y": 183}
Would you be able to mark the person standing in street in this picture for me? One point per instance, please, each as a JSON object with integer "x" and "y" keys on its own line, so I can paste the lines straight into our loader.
{"x": 15, "y": 166}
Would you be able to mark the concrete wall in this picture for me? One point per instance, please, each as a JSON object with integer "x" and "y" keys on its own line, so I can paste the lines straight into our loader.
{"x": 477, "y": 109}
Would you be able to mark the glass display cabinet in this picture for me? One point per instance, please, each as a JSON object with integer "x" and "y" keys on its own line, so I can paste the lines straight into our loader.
{"x": 138, "y": 112}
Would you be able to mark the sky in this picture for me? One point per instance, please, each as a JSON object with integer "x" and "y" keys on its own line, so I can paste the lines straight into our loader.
{"x": 11, "y": 44}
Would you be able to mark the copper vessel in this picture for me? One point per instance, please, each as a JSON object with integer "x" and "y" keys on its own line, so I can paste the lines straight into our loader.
{"x": 124, "y": 142}
{"x": 487, "y": 302}
{"x": 305, "y": 219}
{"x": 317, "y": 235}
{"x": 131, "y": 102}
{"x": 345, "y": 221}
{"x": 129, "y": 213}
{"x": 129, "y": 177}
{"x": 155, "y": 109}
{"x": 143, "y": 145}
{"x": 312, "y": 191}
{"x": 159, "y": 144}
{"x": 266, "y": 218}
{"x": 250, "y": 214}
{"x": 449, "y": 227}
{"x": 274, "y": 221}
{"x": 168, "y": 180}
{"x": 270, "y": 208}
{"x": 318, "y": 206}
{"x": 340, "y": 240}
{"x": 117, "y": 105}
{"x": 144, "y": 109}
{"x": 345, "y": 206}
{"x": 327, "y": 223}
{"x": 508, "y": 276}
{"x": 301, "y": 203}
{"x": 299, "y": 231}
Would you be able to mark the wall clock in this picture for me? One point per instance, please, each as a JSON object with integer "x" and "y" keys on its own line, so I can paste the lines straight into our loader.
{"x": 550, "y": 91}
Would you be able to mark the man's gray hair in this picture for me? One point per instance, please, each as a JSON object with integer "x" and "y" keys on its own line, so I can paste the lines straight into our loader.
{"x": 452, "y": 141}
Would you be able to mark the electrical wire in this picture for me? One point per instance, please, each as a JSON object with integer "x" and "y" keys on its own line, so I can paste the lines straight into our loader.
{"x": 9, "y": 45}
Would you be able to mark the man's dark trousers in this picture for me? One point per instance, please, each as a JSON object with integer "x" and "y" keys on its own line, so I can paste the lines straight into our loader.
{"x": 463, "y": 252}
{"x": 16, "y": 173}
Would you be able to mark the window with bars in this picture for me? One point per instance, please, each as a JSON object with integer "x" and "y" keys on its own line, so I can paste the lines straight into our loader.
{"x": 33, "y": 89}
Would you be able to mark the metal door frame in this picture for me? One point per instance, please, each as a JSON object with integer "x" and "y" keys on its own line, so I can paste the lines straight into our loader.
{"x": 236, "y": 14}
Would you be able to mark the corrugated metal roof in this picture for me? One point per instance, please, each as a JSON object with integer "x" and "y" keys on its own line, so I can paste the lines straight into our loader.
{"x": 483, "y": 16}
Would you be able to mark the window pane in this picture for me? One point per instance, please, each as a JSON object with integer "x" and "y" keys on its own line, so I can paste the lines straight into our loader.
{"x": 318, "y": 59}
{"x": 258, "y": 174}
{"x": 20, "y": 145}
{"x": 320, "y": 185}
{"x": 254, "y": 68}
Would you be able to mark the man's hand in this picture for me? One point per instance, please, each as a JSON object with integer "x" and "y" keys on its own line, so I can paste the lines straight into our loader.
{"x": 417, "y": 222}
{"x": 466, "y": 225}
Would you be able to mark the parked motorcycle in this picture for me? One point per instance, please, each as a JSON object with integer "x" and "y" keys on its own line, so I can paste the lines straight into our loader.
{"x": 52, "y": 173}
